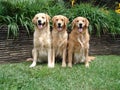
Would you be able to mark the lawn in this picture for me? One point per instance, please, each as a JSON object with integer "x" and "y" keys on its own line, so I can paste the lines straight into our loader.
{"x": 103, "y": 74}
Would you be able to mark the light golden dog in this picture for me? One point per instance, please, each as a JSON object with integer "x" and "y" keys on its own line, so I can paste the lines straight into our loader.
{"x": 42, "y": 39}
{"x": 78, "y": 43}
{"x": 59, "y": 38}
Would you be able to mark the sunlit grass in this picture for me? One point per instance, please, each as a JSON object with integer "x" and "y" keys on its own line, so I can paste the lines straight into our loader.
{"x": 103, "y": 74}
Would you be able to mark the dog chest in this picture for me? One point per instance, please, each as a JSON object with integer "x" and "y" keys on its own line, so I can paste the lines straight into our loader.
{"x": 59, "y": 40}
{"x": 42, "y": 41}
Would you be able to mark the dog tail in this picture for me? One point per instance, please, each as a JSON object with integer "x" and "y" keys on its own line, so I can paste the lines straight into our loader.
{"x": 29, "y": 59}
{"x": 91, "y": 58}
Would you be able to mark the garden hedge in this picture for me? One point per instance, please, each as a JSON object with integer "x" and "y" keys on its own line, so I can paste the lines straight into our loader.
{"x": 14, "y": 13}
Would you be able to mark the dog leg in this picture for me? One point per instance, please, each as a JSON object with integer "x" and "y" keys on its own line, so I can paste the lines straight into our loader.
{"x": 53, "y": 57}
{"x": 64, "y": 58}
{"x": 35, "y": 55}
{"x": 69, "y": 58}
{"x": 86, "y": 58}
{"x": 50, "y": 63}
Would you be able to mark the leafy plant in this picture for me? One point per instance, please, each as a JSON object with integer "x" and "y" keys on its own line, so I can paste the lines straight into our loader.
{"x": 26, "y": 22}
{"x": 14, "y": 23}
{"x": 12, "y": 26}
{"x": 16, "y": 13}
{"x": 102, "y": 21}
{"x": 114, "y": 23}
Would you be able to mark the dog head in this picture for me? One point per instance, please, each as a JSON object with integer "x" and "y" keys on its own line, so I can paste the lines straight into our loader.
{"x": 80, "y": 23}
{"x": 60, "y": 22}
{"x": 41, "y": 20}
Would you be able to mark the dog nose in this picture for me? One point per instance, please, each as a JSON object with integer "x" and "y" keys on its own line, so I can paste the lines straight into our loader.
{"x": 59, "y": 24}
{"x": 80, "y": 25}
{"x": 39, "y": 21}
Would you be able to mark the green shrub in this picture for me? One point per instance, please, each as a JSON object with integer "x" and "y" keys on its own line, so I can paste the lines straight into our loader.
{"x": 16, "y": 13}
{"x": 12, "y": 26}
{"x": 114, "y": 23}
{"x": 102, "y": 21}
{"x": 14, "y": 16}
{"x": 96, "y": 17}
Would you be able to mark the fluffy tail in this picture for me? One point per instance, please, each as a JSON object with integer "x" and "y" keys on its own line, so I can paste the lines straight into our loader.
{"x": 29, "y": 59}
{"x": 91, "y": 58}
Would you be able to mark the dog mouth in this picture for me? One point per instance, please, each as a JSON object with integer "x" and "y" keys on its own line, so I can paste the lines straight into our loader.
{"x": 80, "y": 28}
{"x": 59, "y": 27}
{"x": 40, "y": 24}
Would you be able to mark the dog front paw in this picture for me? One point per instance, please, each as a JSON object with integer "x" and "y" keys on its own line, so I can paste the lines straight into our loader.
{"x": 33, "y": 65}
{"x": 64, "y": 65}
{"x": 86, "y": 65}
{"x": 69, "y": 64}
{"x": 51, "y": 65}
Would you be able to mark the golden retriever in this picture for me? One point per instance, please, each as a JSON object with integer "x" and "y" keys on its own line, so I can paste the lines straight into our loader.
{"x": 78, "y": 43}
{"x": 59, "y": 38}
{"x": 41, "y": 39}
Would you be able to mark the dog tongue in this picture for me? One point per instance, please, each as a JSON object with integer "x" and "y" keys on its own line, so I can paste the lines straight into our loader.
{"x": 80, "y": 29}
{"x": 59, "y": 29}
{"x": 40, "y": 26}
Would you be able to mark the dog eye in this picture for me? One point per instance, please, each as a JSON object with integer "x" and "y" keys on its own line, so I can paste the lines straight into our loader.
{"x": 83, "y": 21}
{"x": 61, "y": 19}
{"x": 77, "y": 21}
{"x": 36, "y": 17}
{"x": 56, "y": 19}
{"x": 43, "y": 17}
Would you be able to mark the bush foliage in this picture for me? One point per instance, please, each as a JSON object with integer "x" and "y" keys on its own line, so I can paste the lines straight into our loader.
{"x": 16, "y": 13}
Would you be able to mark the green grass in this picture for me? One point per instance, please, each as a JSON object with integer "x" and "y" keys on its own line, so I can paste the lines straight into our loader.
{"x": 103, "y": 74}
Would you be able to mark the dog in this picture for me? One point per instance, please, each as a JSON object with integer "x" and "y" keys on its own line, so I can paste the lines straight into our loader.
{"x": 42, "y": 39}
{"x": 59, "y": 38}
{"x": 78, "y": 42}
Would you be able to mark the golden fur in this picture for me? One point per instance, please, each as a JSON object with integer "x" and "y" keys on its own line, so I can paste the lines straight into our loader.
{"x": 42, "y": 39}
{"x": 78, "y": 43}
{"x": 59, "y": 38}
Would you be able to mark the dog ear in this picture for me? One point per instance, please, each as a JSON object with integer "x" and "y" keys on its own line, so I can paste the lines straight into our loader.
{"x": 48, "y": 17}
{"x": 53, "y": 20}
{"x": 34, "y": 20}
{"x": 73, "y": 23}
{"x": 86, "y": 22}
{"x": 66, "y": 20}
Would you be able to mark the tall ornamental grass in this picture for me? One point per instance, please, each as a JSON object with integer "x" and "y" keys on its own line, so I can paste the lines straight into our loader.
{"x": 15, "y": 13}
{"x": 102, "y": 21}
